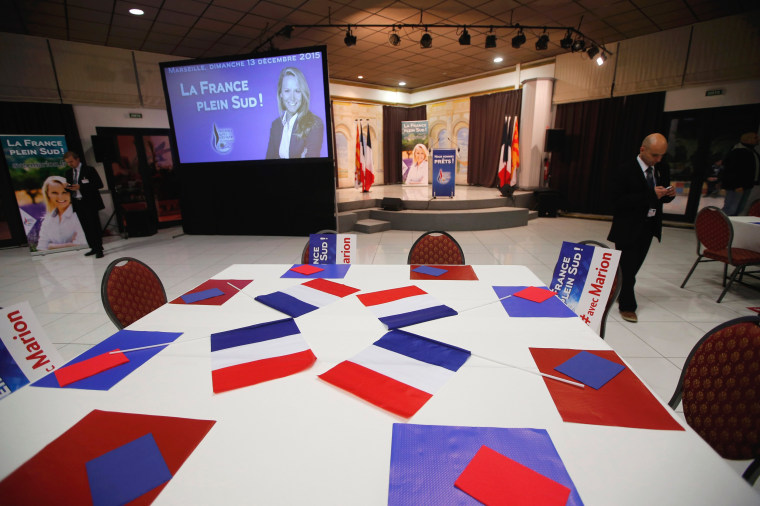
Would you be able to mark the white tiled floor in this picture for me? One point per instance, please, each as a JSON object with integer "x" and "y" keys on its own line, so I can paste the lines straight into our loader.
{"x": 64, "y": 288}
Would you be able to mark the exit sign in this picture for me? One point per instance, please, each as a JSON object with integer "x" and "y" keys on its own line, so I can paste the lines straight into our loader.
{"x": 135, "y": 115}
{"x": 712, "y": 93}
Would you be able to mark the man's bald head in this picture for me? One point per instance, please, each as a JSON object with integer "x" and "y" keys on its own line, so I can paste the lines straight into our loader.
{"x": 653, "y": 148}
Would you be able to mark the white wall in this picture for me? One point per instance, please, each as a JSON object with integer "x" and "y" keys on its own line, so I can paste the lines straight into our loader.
{"x": 734, "y": 93}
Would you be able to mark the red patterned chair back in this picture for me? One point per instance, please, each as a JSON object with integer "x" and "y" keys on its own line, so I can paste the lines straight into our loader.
{"x": 436, "y": 248}
{"x": 754, "y": 208}
{"x": 130, "y": 291}
{"x": 713, "y": 229}
{"x": 720, "y": 388}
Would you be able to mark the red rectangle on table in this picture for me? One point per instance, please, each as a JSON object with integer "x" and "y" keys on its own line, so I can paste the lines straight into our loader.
{"x": 453, "y": 272}
{"x": 221, "y": 284}
{"x": 624, "y": 402}
{"x": 90, "y": 367}
{"x": 495, "y": 479}
{"x": 535, "y": 294}
{"x": 306, "y": 269}
{"x": 57, "y": 474}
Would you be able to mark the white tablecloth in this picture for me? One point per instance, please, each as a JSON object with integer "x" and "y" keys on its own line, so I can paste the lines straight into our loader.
{"x": 746, "y": 232}
{"x": 299, "y": 440}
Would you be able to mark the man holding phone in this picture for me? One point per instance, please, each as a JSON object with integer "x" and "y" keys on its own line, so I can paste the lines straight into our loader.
{"x": 639, "y": 189}
{"x": 84, "y": 183}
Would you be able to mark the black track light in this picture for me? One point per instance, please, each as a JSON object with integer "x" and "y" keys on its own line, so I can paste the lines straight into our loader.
{"x": 285, "y": 31}
{"x": 579, "y": 45}
{"x": 592, "y": 52}
{"x": 349, "y": 39}
{"x": 543, "y": 42}
{"x": 567, "y": 42}
{"x": 393, "y": 38}
{"x": 518, "y": 40}
{"x": 426, "y": 40}
{"x": 464, "y": 39}
{"x": 601, "y": 59}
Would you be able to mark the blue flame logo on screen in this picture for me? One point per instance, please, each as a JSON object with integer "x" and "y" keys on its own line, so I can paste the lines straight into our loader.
{"x": 222, "y": 140}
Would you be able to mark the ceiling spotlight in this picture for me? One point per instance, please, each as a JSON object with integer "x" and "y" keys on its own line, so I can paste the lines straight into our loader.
{"x": 567, "y": 42}
{"x": 285, "y": 31}
{"x": 402, "y": 83}
{"x": 498, "y": 59}
{"x": 601, "y": 59}
{"x": 426, "y": 40}
{"x": 350, "y": 38}
{"x": 579, "y": 45}
{"x": 592, "y": 51}
{"x": 464, "y": 39}
{"x": 136, "y": 12}
{"x": 519, "y": 39}
{"x": 393, "y": 38}
{"x": 543, "y": 41}
{"x": 491, "y": 40}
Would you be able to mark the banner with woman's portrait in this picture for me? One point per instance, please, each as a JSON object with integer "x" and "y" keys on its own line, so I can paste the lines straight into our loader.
{"x": 415, "y": 162}
{"x": 37, "y": 169}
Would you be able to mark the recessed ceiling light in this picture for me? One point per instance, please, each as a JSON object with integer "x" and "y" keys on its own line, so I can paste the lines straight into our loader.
{"x": 402, "y": 83}
{"x": 498, "y": 59}
{"x": 360, "y": 77}
{"x": 137, "y": 12}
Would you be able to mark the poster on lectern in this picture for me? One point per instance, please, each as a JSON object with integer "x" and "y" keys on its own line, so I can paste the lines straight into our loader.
{"x": 414, "y": 153}
{"x": 583, "y": 279}
{"x": 444, "y": 170}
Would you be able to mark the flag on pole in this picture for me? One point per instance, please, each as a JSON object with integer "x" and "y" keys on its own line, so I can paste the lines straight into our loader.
{"x": 369, "y": 166}
{"x": 400, "y": 307}
{"x": 358, "y": 175}
{"x": 307, "y": 297}
{"x": 505, "y": 164}
{"x": 258, "y": 353}
{"x": 399, "y": 372}
{"x": 515, "y": 152}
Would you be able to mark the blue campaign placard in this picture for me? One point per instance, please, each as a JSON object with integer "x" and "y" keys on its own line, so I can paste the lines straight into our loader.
{"x": 322, "y": 248}
{"x": 444, "y": 170}
{"x": 570, "y": 272}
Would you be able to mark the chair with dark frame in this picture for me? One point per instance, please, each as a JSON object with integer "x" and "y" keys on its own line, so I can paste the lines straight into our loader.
{"x": 715, "y": 236}
{"x": 436, "y": 247}
{"x": 720, "y": 390}
{"x": 614, "y": 291}
{"x": 305, "y": 252}
{"x": 130, "y": 291}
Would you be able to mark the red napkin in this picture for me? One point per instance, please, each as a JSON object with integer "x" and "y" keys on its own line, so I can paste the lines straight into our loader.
{"x": 90, "y": 367}
{"x": 306, "y": 269}
{"x": 535, "y": 294}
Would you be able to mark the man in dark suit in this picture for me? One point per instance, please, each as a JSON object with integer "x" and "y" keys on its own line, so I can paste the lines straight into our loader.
{"x": 84, "y": 183}
{"x": 639, "y": 189}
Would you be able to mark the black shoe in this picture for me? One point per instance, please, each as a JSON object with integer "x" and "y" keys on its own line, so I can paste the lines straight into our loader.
{"x": 99, "y": 254}
{"x": 90, "y": 253}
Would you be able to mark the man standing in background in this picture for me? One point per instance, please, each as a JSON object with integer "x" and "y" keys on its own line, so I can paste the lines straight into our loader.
{"x": 639, "y": 189}
{"x": 84, "y": 183}
{"x": 741, "y": 172}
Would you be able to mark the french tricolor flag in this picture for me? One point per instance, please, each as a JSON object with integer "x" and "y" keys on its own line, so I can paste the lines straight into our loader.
{"x": 399, "y": 372}
{"x": 263, "y": 352}
{"x": 400, "y": 307}
{"x": 307, "y": 297}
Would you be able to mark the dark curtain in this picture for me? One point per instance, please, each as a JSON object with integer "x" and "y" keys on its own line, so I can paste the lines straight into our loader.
{"x": 599, "y": 135}
{"x": 392, "y": 118}
{"x": 30, "y": 118}
{"x": 486, "y": 126}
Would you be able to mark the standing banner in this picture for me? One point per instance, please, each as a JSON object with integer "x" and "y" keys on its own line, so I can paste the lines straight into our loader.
{"x": 444, "y": 171}
{"x": 37, "y": 174}
{"x": 332, "y": 248}
{"x": 414, "y": 153}
{"x": 583, "y": 279}
{"x": 26, "y": 354}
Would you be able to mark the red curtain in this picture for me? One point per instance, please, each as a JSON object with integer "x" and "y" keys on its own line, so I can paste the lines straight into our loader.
{"x": 486, "y": 124}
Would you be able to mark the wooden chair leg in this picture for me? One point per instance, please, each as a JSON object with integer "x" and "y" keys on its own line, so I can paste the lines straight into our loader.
{"x": 692, "y": 270}
{"x": 730, "y": 282}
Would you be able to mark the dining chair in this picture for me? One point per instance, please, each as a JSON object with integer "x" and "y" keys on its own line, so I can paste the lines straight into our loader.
{"x": 305, "y": 252}
{"x": 720, "y": 390}
{"x": 436, "y": 247}
{"x": 754, "y": 208}
{"x": 614, "y": 291}
{"x": 130, "y": 290}
{"x": 715, "y": 234}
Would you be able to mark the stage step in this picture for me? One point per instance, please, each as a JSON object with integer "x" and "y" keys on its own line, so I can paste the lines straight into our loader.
{"x": 370, "y": 226}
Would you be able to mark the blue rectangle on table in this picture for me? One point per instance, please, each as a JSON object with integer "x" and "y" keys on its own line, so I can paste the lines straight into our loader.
{"x": 518, "y": 307}
{"x": 127, "y": 472}
{"x": 431, "y": 271}
{"x": 590, "y": 369}
{"x": 189, "y": 298}
{"x": 123, "y": 340}
{"x": 329, "y": 271}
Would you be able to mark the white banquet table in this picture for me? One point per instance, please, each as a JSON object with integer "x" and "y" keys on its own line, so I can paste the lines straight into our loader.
{"x": 746, "y": 232}
{"x": 300, "y": 440}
